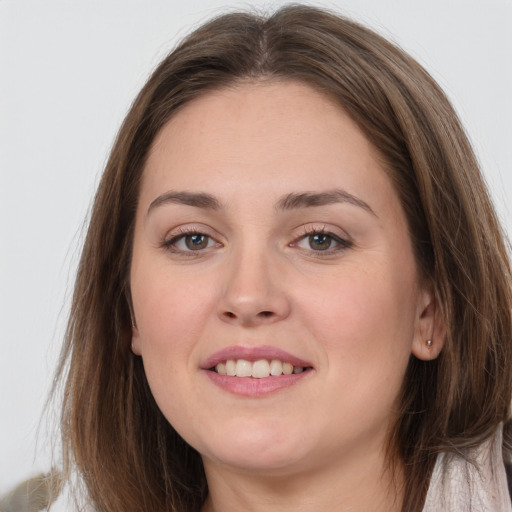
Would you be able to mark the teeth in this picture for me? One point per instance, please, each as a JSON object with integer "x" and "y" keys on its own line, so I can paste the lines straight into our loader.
{"x": 230, "y": 367}
{"x": 243, "y": 368}
{"x": 276, "y": 367}
{"x": 287, "y": 368}
{"x": 258, "y": 369}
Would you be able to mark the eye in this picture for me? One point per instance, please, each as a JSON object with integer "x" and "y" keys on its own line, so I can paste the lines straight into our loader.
{"x": 190, "y": 242}
{"x": 196, "y": 241}
{"x": 322, "y": 241}
{"x": 319, "y": 241}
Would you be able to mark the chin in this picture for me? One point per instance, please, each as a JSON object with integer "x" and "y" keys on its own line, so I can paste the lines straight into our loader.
{"x": 271, "y": 462}
{"x": 261, "y": 448}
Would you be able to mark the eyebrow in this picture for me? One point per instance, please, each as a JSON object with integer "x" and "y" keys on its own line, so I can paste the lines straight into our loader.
{"x": 292, "y": 201}
{"x": 197, "y": 199}
{"x": 310, "y": 199}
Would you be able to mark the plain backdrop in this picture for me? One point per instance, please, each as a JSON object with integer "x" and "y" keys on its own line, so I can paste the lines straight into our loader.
{"x": 68, "y": 73}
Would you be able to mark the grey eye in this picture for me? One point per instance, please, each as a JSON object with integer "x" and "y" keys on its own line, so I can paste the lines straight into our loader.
{"x": 196, "y": 241}
{"x": 320, "y": 241}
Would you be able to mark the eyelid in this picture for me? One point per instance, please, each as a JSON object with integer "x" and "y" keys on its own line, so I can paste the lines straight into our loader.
{"x": 343, "y": 240}
{"x": 176, "y": 234}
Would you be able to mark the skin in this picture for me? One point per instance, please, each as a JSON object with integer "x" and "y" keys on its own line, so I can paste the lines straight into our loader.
{"x": 355, "y": 311}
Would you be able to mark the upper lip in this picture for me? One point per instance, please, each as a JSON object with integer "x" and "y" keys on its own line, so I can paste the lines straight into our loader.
{"x": 253, "y": 354}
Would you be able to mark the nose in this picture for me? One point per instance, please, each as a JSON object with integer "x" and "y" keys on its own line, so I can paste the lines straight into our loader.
{"x": 254, "y": 291}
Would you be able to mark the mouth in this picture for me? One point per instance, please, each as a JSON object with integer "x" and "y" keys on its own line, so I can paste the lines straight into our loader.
{"x": 259, "y": 369}
{"x": 255, "y": 371}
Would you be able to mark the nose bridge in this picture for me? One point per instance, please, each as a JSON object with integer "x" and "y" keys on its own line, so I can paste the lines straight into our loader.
{"x": 253, "y": 290}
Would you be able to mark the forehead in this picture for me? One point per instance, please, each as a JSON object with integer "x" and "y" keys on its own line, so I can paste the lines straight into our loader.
{"x": 257, "y": 129}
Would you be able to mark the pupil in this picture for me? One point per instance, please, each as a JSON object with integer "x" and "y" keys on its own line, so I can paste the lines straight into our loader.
{"x": 196, "y": 242}
{"x": 319, "y": 241}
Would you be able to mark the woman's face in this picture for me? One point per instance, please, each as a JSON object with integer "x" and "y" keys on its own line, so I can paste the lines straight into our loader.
{"x": 269, "y": 240}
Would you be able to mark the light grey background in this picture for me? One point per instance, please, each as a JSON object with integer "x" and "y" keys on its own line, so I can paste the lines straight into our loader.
{"x": 68, "y": 72}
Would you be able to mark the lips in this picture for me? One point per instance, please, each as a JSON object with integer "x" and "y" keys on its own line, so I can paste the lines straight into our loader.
{"x": 253, "y": 354}
{"x": 255, "y": 371}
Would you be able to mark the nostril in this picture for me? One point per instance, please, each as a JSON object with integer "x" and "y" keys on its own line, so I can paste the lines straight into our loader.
{"x": 229, "y": 314}
{"x": 266, "y": 314}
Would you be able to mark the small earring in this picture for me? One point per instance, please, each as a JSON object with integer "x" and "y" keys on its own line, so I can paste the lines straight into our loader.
{"x": 429, "y": 343}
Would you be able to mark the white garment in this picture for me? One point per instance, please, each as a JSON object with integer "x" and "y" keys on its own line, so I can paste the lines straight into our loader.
{"x": 460, "y": 486}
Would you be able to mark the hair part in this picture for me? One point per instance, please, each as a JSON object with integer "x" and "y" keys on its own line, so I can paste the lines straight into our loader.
{"x": 125, "y": 451}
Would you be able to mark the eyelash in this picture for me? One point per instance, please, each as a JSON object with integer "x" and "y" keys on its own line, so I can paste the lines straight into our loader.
{"x": 309, "y": 233}
{"x": 170, "y": 244}
{"x": 341, "y": 244}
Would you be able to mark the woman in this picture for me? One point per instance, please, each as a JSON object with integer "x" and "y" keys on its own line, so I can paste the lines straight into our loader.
{"x": 294, "y": 292}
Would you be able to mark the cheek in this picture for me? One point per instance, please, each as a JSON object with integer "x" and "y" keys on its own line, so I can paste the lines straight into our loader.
{"x": 171, "y": 314}
{"x": 363, "y": 317}
{"x": 170, "y": 308}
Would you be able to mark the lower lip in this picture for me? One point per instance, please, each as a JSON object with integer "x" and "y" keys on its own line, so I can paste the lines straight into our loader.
{"x": 251, "y": 387}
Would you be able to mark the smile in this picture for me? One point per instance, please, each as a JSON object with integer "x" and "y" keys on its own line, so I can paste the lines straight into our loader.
{"x": 255, "y": 371}
{"x": 260, "y": 369}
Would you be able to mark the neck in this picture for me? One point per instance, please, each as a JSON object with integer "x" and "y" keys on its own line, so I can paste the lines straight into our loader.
{"x": 366, "y": 484}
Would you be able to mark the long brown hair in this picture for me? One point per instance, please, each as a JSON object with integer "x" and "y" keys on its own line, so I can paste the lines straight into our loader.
{"x": 124, "y": 450}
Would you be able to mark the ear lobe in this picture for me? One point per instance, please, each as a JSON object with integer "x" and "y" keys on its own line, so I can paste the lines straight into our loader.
{"x": 136, "y": 341}
{"x": 430, "y": 332}
{"x": 135, "y": 345}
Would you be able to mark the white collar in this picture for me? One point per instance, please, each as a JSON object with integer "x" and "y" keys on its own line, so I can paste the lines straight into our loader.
{"x": 478, "y": 486}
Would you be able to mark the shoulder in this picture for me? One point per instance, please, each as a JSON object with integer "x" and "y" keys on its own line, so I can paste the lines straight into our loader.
{"x": 476, "y": 481}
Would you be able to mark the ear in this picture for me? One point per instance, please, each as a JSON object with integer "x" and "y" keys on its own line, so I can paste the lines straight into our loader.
{"x": 136, "y": 345}
{"x": 430, "y": 329}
